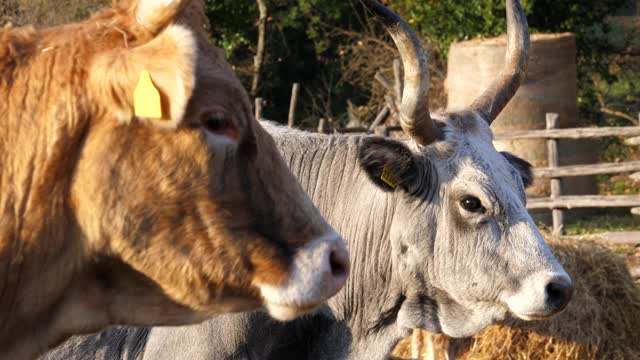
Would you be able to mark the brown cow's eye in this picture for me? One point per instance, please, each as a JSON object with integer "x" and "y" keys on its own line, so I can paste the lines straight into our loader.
{"x": 215, "y": 122}
{"x": 471, "y": 204}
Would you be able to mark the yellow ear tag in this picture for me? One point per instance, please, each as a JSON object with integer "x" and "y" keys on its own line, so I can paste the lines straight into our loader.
{"x": 146, "y": 98}
{"x": 388, "y": 177}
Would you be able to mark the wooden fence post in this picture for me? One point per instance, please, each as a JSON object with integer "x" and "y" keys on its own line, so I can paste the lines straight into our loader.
{"x": 635, "y": 176}
{"x": 258, "y": 108}
{"x": 382, "y": 116}
{"x": 386, "y": 84}
{"x": 321, "y": 125}
{"x": 397, "y": 73}
{"x": 381, "y": 130}
{"x": 292, "y": 107}
{"x": 556, "y": 183}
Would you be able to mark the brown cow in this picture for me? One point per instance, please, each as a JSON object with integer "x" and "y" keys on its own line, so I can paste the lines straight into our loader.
{"x": 110, "y": 214}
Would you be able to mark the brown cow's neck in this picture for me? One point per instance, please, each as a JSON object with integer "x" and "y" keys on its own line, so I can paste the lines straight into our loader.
{"x": 42, "y": 132}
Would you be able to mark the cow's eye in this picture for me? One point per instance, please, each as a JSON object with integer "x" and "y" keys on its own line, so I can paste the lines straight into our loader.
{"x": 471, "y": 204}
{"x": 215, "y": 122}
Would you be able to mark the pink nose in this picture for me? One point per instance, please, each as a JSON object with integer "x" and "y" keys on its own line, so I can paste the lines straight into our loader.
{"x": 318, "y": 271}
{"x": 326, "y": 261}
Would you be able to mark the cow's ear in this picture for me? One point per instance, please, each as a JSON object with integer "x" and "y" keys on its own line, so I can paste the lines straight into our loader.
{"x": 523, "y": 167}
{"x": 153, "y": 81}
{"x": 389, "y": 164}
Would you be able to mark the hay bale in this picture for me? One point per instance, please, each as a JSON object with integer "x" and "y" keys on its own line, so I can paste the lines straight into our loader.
{"x": 435, "y": 347}
{"x": 601, "y": 322}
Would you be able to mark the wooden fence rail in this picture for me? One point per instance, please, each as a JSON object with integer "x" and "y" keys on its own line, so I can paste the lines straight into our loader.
{"x": 575, "y": 133}
{"x": 586, "y": 170}
{"x": 584, "y": 201}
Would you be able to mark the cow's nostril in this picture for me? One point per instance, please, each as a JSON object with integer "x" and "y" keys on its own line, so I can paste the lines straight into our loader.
{"x": 338, "y": 265}
{"x": 559, "y": 293}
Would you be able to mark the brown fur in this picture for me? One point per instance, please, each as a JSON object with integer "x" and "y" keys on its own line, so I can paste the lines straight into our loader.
{"x": 107, "y": 219}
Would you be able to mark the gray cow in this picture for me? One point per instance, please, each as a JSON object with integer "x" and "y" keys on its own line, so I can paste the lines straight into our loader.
{"x": 437, "y": 227}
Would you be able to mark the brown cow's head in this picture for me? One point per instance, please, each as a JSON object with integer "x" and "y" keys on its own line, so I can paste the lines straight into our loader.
{"x": 176, "y": 217}
{"x": 199, "y": 200}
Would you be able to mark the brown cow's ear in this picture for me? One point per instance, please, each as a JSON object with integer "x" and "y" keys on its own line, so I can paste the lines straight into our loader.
{"x": 119, "y": 79}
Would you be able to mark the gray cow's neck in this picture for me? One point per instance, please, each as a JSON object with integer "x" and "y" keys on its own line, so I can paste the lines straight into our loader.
{"x": 328, "y": 170}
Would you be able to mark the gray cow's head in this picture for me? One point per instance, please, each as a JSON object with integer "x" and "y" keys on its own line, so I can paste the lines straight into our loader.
{"x": 477, "y": 256}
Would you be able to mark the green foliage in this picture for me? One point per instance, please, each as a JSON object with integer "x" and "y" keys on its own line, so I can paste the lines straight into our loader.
{"x": 233, "y": 26}
{"x": 298, "y": 48}
{"x": 593, "y": 34}
{"x": 302, "y": 46}
{"x": 447, "y": 21}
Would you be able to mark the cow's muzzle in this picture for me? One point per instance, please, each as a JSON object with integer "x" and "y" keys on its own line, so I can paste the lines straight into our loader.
{"x": 541, "y": 296}
{"x": 319, "y": 270}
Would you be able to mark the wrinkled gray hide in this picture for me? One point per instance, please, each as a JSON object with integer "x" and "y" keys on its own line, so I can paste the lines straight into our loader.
{"x": 113, "y": 343}
{"x": 417, "y": 258}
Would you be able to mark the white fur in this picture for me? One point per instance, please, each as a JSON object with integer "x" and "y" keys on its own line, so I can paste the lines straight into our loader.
{"x": 529, "y": 302}
{"x": 217, "y": 140}
{"x": 185, "y": 80}
{"x": 311, "y": 280}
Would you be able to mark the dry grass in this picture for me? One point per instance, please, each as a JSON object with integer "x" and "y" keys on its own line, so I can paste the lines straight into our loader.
{"x": 47, "y": 12}
{"x": 602, "y": 321}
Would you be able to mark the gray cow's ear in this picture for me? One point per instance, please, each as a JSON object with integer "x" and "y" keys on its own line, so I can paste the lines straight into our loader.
{"x": 388, "y": 163}
{"x": 523, "y": 167}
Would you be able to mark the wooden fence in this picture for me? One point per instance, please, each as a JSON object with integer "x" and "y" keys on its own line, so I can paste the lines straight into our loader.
{"x": 558, "y": 202}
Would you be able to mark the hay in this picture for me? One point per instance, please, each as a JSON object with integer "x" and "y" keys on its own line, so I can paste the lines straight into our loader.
{"x": 601, "y": 322}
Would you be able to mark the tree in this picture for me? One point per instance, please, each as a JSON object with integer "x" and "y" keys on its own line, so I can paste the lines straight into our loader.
{"x": 262, "y": 33}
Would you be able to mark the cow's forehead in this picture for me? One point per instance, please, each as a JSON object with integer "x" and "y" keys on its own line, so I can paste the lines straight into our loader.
{"x": 467, "y": 154}
{"x": 460, "y": 129}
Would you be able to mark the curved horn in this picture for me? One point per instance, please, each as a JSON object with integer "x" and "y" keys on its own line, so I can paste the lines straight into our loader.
{"x": 414, "y": 110}
{"x": 504, "y": 87}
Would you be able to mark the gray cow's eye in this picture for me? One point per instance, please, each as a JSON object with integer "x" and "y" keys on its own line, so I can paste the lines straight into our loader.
{"x": 471, "y": 204}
